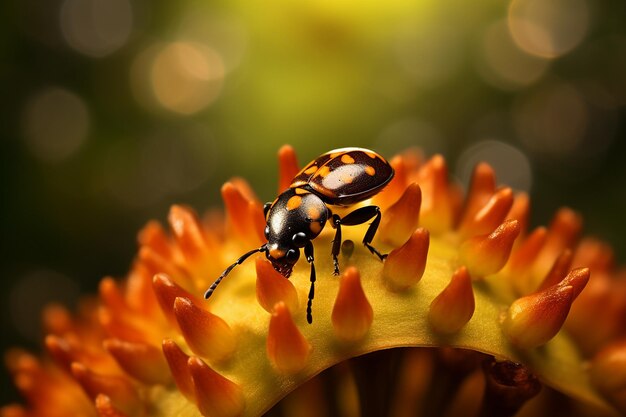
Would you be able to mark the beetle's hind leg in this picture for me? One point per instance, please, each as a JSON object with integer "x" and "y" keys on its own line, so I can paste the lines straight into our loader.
{"x": 360, "y": 216}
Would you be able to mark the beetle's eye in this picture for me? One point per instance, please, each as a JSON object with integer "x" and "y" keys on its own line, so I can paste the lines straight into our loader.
{"x": 292, "y": 255}
{"x": 267, "y": 232}
{"x": 299, "y": 239}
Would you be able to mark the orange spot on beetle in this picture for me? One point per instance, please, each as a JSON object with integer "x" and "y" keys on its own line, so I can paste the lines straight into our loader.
{"x": 311, "y": 170}
{"x": 294, "y": 202}
{"x": 369, "y": 170}
{"x": 323, "y": 171}
{"x": 315, "y": 227}
{"x": 347, "y": 159}
{"x": 277, "y": 253}
{"x": 313, "y": 213}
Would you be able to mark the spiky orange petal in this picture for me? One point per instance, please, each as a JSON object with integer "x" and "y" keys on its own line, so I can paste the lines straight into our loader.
{"x": 287, "y": 167}
{"x": 402, "y": 218}
{"x": 486, "y": 254}
{"x": 352, "y": 313}
{"x": 216, "y": 396}
{"x": 206, "y": 334}
{"x": 272, "y": 287}
{"x": 177, "y": 361}
{"x": 405, "y": 265}
{"x": 287, "y": 349}
{"x": 105, "y": 407}
{"x": 140, "y": 360}
{"x": 454, "y": 306}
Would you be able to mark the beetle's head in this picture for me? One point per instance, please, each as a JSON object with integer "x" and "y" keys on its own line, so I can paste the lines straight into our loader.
{"x": 293, "y": 220}
{"x": 282, "y": 258}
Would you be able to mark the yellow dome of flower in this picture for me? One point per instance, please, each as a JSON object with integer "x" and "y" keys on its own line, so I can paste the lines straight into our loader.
{"x": 482, "y": 312}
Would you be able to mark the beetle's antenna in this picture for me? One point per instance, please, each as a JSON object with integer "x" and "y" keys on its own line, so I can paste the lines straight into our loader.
{"x": 243, "y": 257}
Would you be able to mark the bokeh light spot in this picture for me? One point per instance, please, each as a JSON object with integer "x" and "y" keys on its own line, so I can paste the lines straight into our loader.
{"x": 186, "y": 77}
{"x": 55, "y": 124}
{"x": 512, "y": 166}
{"x": 548, "y": 28}
{"x": 552, "y": 120}
{"x": 96, "y": 27}
{"x": 224, "y": 32}
{"x": 503, "y": 64}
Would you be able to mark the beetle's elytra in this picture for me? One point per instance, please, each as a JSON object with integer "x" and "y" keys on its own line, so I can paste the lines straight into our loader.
{"x": 341, "y": 177}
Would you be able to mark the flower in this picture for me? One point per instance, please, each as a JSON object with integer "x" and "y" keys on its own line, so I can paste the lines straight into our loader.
{"x": 483, "y": 313}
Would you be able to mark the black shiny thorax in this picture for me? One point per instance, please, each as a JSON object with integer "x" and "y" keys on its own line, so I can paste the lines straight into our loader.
{"x": 295, "y": 211}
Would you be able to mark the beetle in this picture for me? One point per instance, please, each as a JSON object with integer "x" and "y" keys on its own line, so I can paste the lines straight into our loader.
{"x": 339, "y": 178}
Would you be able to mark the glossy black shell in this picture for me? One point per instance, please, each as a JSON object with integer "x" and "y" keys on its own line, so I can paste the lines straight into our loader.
{"x": 345, "y": 176}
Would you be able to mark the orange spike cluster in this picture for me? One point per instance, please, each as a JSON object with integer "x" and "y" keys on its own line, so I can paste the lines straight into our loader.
{"x": 489, "y": 216}
{"x": 520, "y": 211}
{"x": 193, "y": 247}
{"x": 141, "y": 361}
{"x": 486, "y": 254}
{"x": 519, "y": 267}
{"x": 119, "y": 389}
{"x": 562, "y": 234}
{"x": 153, "y": 263}
{"x": 153, "y": 236}
{"x": 598, "y": 316}
{"x": 560, "y": 268}
{"x": 109, "y": 364}
{"x": 167, "y": 291}
{"x": 244, "y": 214}
{"x": 533, "y": 320}
{"x": 187, "y": 232}
{"x": 49, "y": 393}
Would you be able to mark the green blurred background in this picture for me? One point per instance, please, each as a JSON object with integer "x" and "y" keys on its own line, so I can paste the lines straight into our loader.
{"x": 115, "y": 109}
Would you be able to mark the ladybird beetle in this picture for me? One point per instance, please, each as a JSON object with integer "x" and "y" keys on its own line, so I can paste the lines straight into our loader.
{"x": 342, "y": 177}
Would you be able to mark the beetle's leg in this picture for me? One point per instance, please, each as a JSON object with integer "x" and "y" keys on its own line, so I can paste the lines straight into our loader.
{"x": 336, "y": 223}
{"x": 308, "y": 252}
{"x": 243, "y": 257}
{"x": 360, "y": 216}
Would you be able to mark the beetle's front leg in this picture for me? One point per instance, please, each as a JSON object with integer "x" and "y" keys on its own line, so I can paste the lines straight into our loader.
{"x": 336, "y": 223}
{"x": 308, "y": 252}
